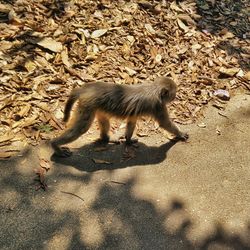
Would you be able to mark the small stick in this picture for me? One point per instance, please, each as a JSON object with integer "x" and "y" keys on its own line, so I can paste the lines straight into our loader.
{"x": 73, "y": 195}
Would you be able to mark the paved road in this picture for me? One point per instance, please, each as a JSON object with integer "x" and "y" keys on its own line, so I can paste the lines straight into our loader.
{"x": 168, "y": 196}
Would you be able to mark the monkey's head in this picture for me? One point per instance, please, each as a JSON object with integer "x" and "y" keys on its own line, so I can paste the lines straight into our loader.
{"x": 168, "y": 89}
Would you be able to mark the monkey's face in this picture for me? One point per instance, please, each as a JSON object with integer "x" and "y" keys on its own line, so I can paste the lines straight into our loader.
{"x": 168, "y": 96}
{"x": 168, "y": 91}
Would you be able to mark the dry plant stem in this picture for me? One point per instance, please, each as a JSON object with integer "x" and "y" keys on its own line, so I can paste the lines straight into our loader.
{"x": 73, "y": 195}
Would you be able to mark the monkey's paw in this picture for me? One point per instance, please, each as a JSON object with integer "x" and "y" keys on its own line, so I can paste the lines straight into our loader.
{"x": 64, "y": 153}
{"x": 182, "y": 137}
{"x": 131, "y": 141}
{"x": 102, "y": 141}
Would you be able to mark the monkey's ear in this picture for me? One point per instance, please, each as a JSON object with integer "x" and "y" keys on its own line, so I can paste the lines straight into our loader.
{"x": 164, "y": 94}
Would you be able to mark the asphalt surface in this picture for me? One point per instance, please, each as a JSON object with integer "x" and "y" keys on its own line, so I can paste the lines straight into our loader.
{"x": 158, "y": 195}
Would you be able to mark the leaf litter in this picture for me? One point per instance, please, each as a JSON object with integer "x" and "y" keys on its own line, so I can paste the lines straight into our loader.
{"x": 49, "y": 47}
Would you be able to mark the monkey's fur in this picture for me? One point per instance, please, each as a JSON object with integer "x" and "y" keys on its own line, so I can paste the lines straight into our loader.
{"x": 104, "y": 100}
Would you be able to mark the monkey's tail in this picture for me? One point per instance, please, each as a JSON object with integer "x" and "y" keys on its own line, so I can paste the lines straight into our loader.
{"x": 69, "y": 104}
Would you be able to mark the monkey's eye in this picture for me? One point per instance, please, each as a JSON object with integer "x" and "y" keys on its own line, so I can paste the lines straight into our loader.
{"x": 164, "y": 93}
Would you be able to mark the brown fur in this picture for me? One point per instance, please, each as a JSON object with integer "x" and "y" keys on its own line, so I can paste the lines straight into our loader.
{"x": 105, "y": 100}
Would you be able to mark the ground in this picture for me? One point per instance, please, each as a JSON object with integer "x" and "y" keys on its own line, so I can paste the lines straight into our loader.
{"x": 157, "y": 194}
{"x": 49, "y": 47}
{"x": 165, "y": 196}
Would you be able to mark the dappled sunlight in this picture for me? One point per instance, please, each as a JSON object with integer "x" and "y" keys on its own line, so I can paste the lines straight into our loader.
{"x": 114, "y": 212}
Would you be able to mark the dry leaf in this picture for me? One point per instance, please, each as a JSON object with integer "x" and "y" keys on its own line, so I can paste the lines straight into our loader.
{"x": 131, "y": 72}
{"x": 45, "y": 164}
{"x": 182, "y": 25}
{"x": 149, "y": 28}
{"x": 30, "y": 66}
{"x": 240, "y": 73}
{"x": 5, "y": 138}
{"x": 50, "y": 44}
{"x": 26, "y": 122}
{"x": 24, "y": 110}
{"x": 218, "y": 130}
{"x": 187, "y": 19}
{"x": 141, "y": 134}
{"x": 99, "y": 161}
{"x": 229, "y": 72}
{"x": 158, "y": 58}
{"x": 147, "y": 43}
{"x": 98, "y": 33}
{"x": 222, "y": 94}
{"x": 7, "y": 154}
{"x": 202, "y": 125}
{"x": 175, "y": 7}
{"x": 100, "y": 149}
{"x": 65, "y": 58}
{"x": 41, "y": 178}
{"x": 247, "y": 76}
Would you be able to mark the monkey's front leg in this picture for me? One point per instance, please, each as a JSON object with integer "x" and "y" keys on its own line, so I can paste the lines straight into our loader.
{"x": 165, "y": 122}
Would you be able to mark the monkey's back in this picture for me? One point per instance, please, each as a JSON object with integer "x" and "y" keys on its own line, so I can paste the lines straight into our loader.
{"x": 119, "y": 100}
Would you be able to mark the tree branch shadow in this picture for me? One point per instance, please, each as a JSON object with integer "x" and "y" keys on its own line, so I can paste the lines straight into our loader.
{"x": 30, "y": 218}
{"x": 217, "y": 17}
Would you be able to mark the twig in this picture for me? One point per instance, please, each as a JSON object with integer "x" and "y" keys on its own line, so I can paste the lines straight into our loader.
{"x": 73, "y": 195}
{"x": 117, "y": 182}
{"x": 223, "y": 115}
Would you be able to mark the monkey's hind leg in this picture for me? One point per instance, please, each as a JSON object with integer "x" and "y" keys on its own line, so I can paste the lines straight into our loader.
{"x": 104, "y": 125}
{"x": 80, "y": 125}
{"x": 131, "y": 123}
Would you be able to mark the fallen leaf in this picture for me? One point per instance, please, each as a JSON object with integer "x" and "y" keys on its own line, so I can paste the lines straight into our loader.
{"x": 182, "y": 25}
{"x": 41, "y": 179}
{"x": 130, "y": 71}
{"x": 24, "y": 110}
{"x": 50, "y": 44}
{"x": 149, "y": 28}
{"x": 65, "y": 58}
{"x": 141, "y": 134}
{"x": 100, "y": 149}
{"x": 175, "y": 7}
{"x": 187, "y": 19}
{"x": 247, "y": 76}
{"x": 7, "y": 154}
{"x": 196, "y": 46}
{"x": 99, "y": 161}
{"x": 218, "y": 131}
{"x": 98, "y": 33}
{"x": 30, "y": 66}
{"x": 5, "y": 138}
{"x": 240, "y": 73}
{"x": 202, "y": 125}
{"x": 229, "y": 72}
{"x": 45, "y": 164}
{"x": 158, "y": 58}
{"x": 222, "y": 94}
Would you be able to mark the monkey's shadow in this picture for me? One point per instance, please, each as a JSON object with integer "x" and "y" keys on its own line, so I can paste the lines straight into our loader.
{"x": 93, "y": 157}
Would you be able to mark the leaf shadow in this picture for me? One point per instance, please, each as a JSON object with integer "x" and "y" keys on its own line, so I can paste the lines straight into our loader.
{"x": 220, "y": 16}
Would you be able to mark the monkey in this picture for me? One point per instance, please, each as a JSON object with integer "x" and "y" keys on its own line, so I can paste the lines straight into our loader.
{"x": 104, "y": 100}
